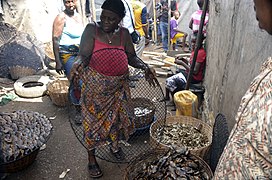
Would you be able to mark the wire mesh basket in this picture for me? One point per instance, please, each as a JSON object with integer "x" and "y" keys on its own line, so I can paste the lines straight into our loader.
{"x": 167, "y": 164}
{"x": 206, "y": 130}
{"x": 17, "y": 72}
{"x": 58, "y": 92}
{"x": 105, "y": 105}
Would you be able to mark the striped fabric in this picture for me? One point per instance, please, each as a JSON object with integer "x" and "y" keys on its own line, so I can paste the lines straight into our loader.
{"x": 248, "y": 153}
{"x": 196, "y": 17}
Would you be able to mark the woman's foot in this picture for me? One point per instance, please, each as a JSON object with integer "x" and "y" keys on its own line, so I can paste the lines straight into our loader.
{"x": 94, "y": 170}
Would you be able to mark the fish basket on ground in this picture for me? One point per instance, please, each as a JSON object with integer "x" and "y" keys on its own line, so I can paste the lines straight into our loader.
{"x": 58, "y": 92}
{"x": 19, "y": 164}
{"x": 161, "y": 160}
{"x": 17, "y": 72}
{"x": 144, "y": 111}
{"x": 205, "y": 129}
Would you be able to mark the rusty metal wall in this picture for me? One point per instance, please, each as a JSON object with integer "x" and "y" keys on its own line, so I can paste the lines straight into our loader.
{"x": 236, "y": 50}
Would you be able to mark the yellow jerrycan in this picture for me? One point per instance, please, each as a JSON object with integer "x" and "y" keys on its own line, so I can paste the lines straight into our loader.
{"x": 186, "y": 103}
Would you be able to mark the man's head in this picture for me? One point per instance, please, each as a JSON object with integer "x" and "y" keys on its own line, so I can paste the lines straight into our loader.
{"x": 176, "y": 14}
{"x": 200, "y": 3}
{"x": 263, "y": 10}
{"x": 70, "y": 5}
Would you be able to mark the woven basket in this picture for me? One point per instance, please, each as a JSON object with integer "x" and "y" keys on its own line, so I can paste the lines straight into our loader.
{"x": 19, "y": 164}
{"x": 17, "y": 72}
{"x": 133, "y": 167}
{"x": 58, "y": 92}
{"x": 206, "y": 130}
{"x": 143, "y": 121}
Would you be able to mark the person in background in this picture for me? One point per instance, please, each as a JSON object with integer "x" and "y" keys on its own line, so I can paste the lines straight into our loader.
{"x": 106, "y": 51}
{"x": 141, "y": 25}
{"x": 175, "y": 33}
{"x": 178, "y": 81}
{"x": 66, "y": 36}
{"x": 248, "y": 153}
{"x": 129, "y": 20}
{"x": 163, "y": 23}
{"x": 195, "y": 21}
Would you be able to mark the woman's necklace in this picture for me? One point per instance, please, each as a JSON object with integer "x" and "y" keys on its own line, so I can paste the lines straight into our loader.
{"x": 109, "y": 38}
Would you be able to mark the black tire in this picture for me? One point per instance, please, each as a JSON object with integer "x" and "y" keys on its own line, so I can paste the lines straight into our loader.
{"x": 23, "y": 87}
{"x": 219, "y": 140}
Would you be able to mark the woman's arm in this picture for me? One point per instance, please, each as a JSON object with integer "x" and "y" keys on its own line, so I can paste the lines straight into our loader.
{"x": 87, "y": 43}
{"x": 136, "y": 62}
{"x": 58, "y": 25}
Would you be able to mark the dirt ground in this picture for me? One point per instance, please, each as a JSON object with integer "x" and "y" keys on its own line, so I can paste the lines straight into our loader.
{"x": 63, "y": 150}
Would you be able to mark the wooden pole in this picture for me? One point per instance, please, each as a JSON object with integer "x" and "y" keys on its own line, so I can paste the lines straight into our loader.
{"x": 198, "y": 44}
{"x": 155, "y": 21}
{"x": 93, "y": 10}
{"x": 168, "y": 29}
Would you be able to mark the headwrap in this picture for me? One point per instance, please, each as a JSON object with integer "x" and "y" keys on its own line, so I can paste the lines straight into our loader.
{"x": 115, "y": 6}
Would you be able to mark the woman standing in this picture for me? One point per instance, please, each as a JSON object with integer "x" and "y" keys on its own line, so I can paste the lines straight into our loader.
{"x": 66, "y": 35}
{"x": 106, "y": 50}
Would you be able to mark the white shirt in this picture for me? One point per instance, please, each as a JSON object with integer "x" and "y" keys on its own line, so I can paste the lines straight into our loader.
{"x": 129, "y": 14}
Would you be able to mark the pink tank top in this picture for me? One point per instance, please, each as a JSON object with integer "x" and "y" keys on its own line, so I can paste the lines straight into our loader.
{"x": 108, "y": 59}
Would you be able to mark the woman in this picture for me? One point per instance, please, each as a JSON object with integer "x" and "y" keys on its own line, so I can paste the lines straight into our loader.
{"x": 67, "y": 31}
{"x": 106, "y": 50}
{"x": 248, "y": 154}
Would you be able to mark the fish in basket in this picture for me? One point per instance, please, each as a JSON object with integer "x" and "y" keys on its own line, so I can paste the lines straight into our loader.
{"x": 183, "y": 131}
{"x": 144, "y": 111}
{"x": 22, "y": 133}
{"x": 176, "y": 163}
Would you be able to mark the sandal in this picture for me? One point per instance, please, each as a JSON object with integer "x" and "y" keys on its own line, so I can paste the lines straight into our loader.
{"x": 119, "y": 154}
{"x": 94, "y": 170}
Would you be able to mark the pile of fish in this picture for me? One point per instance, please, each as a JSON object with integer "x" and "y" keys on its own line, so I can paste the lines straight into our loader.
{"x": 181, "y": 135}
{"x": 174, "y": 164}
{"x": 142, "y": 111}
{"x": 22, "y": 132}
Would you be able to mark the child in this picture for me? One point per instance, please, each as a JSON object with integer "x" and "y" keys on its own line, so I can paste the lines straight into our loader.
{"x": 175, "y": 33}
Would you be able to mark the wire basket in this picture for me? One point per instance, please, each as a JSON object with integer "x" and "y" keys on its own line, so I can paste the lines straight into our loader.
{"x": 136, "y": 165}
{"x": 188, "y": 120}
{"x": 146, "y": 109}
{"x": 17, "y": 72}
{"x": 19, "y": 164}
{"x": 58, "y": 92}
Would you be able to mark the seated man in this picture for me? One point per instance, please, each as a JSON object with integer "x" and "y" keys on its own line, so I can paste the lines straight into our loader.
{"x": 178, "y": 81}
{"x": 175, "y": 33}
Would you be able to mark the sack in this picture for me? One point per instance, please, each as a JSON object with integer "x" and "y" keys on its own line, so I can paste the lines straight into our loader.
{"x": 136, "y": 37}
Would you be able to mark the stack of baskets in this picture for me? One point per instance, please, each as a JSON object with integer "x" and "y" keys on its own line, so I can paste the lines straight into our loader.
{"x": 187, "y": 120}
{"x": 17, "y": 72}
{"x": 144, "y": 119}
{"x": 58, "y": 92}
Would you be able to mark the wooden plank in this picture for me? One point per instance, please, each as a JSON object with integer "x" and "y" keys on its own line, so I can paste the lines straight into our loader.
{"x": 184, "y": 54}
{"x": 163, "y": 61}
{"x": 154, "y": 53}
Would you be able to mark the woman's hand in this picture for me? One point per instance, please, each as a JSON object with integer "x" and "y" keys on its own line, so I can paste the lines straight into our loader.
{"x": 76, "y": 68}
{"x": 59, "y": 69}
{"x": 150, "y": 76}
